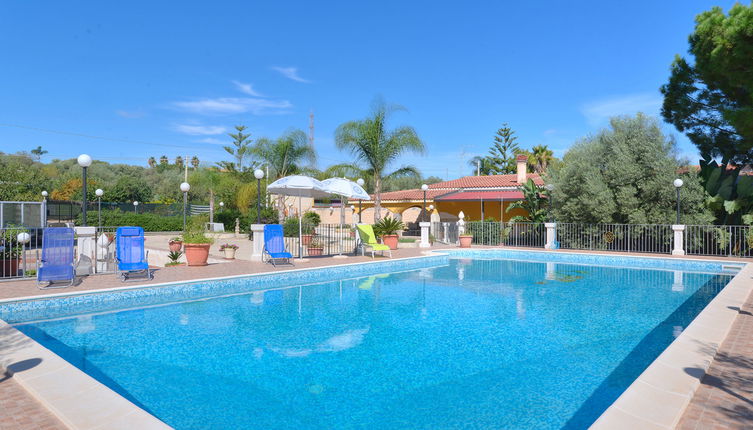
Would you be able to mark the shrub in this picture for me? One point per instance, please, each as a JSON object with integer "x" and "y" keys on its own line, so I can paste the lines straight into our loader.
{"x": 312, "y": 218}
{"x": 148, "y": 221}
{"x": 195, "y": 231}
{"x": 269, "y": 215}
{"x": 388, "y": 226}
{"x": 290, "y": 227}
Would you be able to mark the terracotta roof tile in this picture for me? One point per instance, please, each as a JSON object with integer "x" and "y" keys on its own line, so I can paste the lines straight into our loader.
{"x": 472, "y": 182}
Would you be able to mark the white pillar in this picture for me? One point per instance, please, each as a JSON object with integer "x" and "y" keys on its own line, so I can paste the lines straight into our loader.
{"x": 679, "y": 242}
{"x": 85, "y": 247}
{"x": 551, "y": 235}
{"x": 424, "y": 234}
{"x": 257, "y": 250}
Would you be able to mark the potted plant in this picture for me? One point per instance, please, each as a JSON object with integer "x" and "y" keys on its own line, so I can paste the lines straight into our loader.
{"x": 175, "y": 244}
{"x": 316, "y": 247}
{"x": 229, "y": 250}
{"x": 388, "y": 228}
{"x": 196, "y": 244}
{"x": 10, "y": 251}
{"x": 465, "y": 240}
{"x": 173, "y": 256}
{"x": 310, "y": 222}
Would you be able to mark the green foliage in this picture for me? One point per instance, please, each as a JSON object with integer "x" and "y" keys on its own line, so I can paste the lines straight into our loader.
{"x": 285, "y": 155}
{"x": 624, "y": 174}
{"x": 195, "y": 231}
{"x": 376, "y": 148}
{"x": 711, "y": 98}
{"x": 731, "y": 193}
{"x": 129, "y": 189}
{"x": 502, "y": 154}
{"x": 239, "y": 149}
{"x": 534, "y": 202}
{"x": 388, "y": 226}
{"x": 174, "y": 256}
{"x": 21, "y": 178}
{"x": 487, "y": 232}
{"x": 290, "y": 227}
{"x": 269, "y": 215}
{"x": 312, "y": 218}
{"x": 9, "y": 247}
{"x": 148, "y": 221}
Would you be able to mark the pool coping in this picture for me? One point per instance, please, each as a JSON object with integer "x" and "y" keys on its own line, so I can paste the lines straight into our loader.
{"x": 657, "y": 399}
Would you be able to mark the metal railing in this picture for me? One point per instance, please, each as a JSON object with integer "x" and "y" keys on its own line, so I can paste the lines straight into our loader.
{"x": 526, "y": 234}
{"x": 719, "y": 240}
{"x": 330, "y": 238}
{"x": 444, "y": 232}
{"x": 19, "y": 251}
{"x": 650, "y": 238}
{"x": 30, "y": 214}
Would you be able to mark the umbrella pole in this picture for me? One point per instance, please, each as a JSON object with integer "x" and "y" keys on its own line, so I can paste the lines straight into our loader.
{"x": 340, "y": 235}
{"x": 300, "y": 230}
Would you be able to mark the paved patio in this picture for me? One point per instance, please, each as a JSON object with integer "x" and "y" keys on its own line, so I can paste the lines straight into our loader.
{"x": 724, "y": 400}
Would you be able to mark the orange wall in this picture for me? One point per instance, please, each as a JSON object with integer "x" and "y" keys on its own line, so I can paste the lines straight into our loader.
{"x": 472, "y": 210}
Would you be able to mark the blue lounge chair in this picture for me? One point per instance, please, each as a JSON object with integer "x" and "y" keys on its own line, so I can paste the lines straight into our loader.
{"x": 130, "y": 253}
{"x": 57, "y": 263}
{"x": 274, "y": 246}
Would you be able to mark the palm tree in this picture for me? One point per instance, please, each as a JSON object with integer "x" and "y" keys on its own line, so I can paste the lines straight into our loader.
{"x": 285, "y": 155}
{"x": 179, "y": 161}
{"x": 540, "y": 158}
{"x": 534, "y": 202}
{"x": 163, "y": 160}
{"x": 195, "y": 162}
{"x": 376, "y": 147}
{"x": 38, "y": 152}
{"x": 480, "y": 165}
{"x": 151, "y": 162}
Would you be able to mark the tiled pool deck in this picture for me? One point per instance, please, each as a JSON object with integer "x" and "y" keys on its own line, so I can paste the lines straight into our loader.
{"x": 724, "y": 399}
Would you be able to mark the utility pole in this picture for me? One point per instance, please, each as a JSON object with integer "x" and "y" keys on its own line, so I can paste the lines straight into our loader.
{"x": 478, "y": 167}
{"x": 185, "y": 169}
{"x": 311, "y": 128}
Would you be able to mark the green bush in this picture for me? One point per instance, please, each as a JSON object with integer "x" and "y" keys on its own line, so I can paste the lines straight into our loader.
{"x": 148, "y": 221}
{"x": 269, "y": 215}
{"x": 388, "y": 226}
{"x": 312, "y": 218}
{"x": 196, "y": 231}
{"x": 290, "y": 227}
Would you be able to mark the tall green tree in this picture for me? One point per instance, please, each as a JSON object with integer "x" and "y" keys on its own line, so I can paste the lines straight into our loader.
{"x": 503, "y": 151}
{"x": 286, "y": 155}
{"x": 540, "y": 158}
{"x": 240, "y": 148}
{"x": 480, "y": 166}
{"x": 376, "y": 147}
{"x": 624, "y": 174}
{"x": 38, "y": 152}
{"x": 711, "y": 98}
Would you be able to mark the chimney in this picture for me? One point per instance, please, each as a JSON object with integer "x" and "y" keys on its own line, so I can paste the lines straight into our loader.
{"x": 522, "y": 161}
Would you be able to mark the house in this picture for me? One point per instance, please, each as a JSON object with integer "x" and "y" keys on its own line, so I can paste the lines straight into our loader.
{"x": 478, "y": 197}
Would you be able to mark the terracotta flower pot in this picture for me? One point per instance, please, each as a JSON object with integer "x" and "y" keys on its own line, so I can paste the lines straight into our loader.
{"x": 175, "y": 245}
{"x": 465, "y": 241}
{"x": 196, "y": 253}
{"x": 229, "y": 253}
{"x": 390, "y": 240}
{"x": 9, "y": 268}
{"x": 315, "y": 252}
{"x": 306, "y": 239}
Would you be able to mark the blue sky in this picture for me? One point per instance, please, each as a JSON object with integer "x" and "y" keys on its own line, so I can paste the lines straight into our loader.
{"x": 171, "y": 78}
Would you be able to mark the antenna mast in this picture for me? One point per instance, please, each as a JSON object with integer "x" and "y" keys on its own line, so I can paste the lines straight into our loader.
{"x": 311, "y": 128}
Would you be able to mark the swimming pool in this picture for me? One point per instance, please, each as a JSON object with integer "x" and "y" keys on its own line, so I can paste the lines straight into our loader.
{"x": 474, "y": 340}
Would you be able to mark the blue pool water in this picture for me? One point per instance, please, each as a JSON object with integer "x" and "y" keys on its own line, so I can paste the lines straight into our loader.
{"x": 468, "y": 343}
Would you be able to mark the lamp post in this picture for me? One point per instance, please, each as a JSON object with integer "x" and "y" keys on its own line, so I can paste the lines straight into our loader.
{"x": 185, "y": 186}
{"x": 23, "y": 238}
{"x": 99, "y": 194}
{"x": 360, "y": 183}
{"x": 136, "y": 206}
{"x": 550, "y": 188}
{"x": 222, "y": 205}
{"x": 678, "y": 184}
{"x": 258, "y": 174}
{"x": 44, "y": 195}
{"x": 84, "y": 161}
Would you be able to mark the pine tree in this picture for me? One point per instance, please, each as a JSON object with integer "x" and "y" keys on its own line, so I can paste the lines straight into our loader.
{"x": 501, "y": 158}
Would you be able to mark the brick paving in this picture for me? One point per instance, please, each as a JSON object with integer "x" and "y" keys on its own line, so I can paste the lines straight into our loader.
{"x": 18, "y": 410}
{"x": 725, "y": 398}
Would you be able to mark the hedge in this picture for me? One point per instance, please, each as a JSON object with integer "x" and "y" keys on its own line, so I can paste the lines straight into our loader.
{"x": 148, "y": 221}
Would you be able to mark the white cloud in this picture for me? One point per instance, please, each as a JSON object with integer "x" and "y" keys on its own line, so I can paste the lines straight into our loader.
{"x": 290, "y": 73}
{"x": 234, "y": 105}
{"x": 598, "y": 112}
{"x": 246, "y": 89}
{"x": 199, "y": 130}
{"x": 211, "y": 141}
{"x": 129, "y": 114}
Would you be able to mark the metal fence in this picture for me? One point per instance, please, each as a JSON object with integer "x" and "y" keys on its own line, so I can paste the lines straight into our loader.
{"x": 330, "y": 238}
{"x": 507, "y": 234}
{"x": 29, "y": 214}
{"x": 651, "y": 238}
{"x": 719, "y": 240}
{"x": 59, "y": 211}
{"x": 444, "y": 232}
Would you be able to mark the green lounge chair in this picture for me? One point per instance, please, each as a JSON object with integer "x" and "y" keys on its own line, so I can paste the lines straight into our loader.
{"x": 368, "y": 239}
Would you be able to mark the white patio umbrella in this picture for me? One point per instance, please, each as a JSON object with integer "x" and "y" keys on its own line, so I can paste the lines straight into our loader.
{"x": 345, "y": 188}
{"x": 298, "y": 186}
